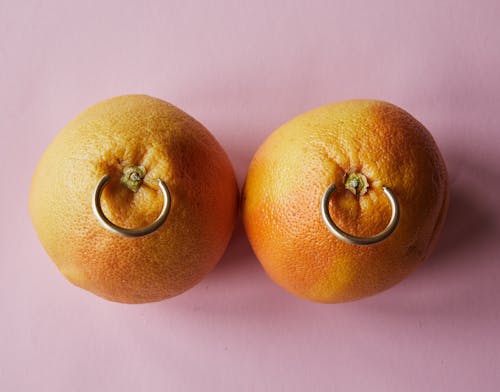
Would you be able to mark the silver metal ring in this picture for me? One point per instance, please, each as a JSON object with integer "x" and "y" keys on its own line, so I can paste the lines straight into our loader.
{"x": 342, "y": 235}
{"x": 121, "y": 231}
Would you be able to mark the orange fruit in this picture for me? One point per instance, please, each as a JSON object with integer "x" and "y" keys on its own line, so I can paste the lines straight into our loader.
{"x": 381, "y": 145}
{"x": 114, "y": 137}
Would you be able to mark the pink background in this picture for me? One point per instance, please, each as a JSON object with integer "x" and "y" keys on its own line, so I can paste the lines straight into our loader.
{"x": 242, "y": 70}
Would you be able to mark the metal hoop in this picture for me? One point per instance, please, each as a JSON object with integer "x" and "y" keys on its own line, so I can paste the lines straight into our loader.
{"x": 350, "y": 239}
{"x": 121, "y": 231}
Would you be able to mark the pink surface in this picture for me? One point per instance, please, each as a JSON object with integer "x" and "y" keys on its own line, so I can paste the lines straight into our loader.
{"x": 242, "y": 70}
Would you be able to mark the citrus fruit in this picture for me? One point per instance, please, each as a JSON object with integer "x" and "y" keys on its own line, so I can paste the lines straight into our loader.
{"x": 360, "y": 146}
{"x": 135, "y": 140}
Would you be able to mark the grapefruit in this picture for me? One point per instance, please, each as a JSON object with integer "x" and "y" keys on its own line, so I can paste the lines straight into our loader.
{"x": 360, "y": 146}
{"x": 136, "y": 140}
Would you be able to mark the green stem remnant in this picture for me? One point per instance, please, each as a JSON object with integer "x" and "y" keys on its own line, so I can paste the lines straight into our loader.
{"x": 356, "y": 183}
{"x": 132, "y": 177}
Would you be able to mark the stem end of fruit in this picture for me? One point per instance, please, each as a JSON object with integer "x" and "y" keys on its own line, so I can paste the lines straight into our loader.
{"x": 356, "y": 183}
{"x": 132, "y": 177}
